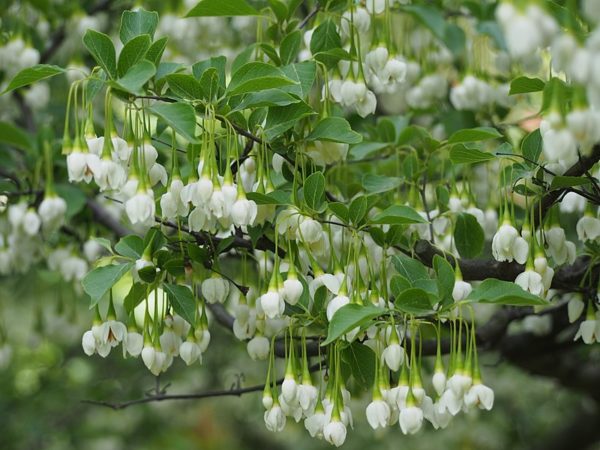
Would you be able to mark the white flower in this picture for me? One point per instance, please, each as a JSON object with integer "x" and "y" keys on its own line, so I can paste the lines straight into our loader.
{"x": 507, "y": 245}
{"x": 140, "y": 208}
{"x": 362, "y": 21}
{"x": 272, "y": 304}
{"x": 88, "y": 342}
{"x": 449, "y": 402}
{"x": 439, "y": 381}
{"x": 459, "y": 383}
{"x": 133, "y": 343}
{"x": 461, "y": 290}
{"x": 336, "y": 303}
{"x": 335, "y": 432}
{"x": 559, "y": 144}
{"x": 575, "y": 309}
{"x": 307, "y": 397}
{"x": 154, "y": 359}
{"x": 80, "y": 166}
{"x": 258, "y": 348}
{"x": 171, "y": 204}
{"x": 289, "y": 389}
{"x": 243, "y": 212}
{"x": 378, "y": 414}
{"x": 393, "y": 356}
{"x": 190, "y": 352}
{"x": 109, "y": 175}
{"x": 309, "y": 230}
{"x": 588, "y": 331}
{"x": 481, "y": 396}
{"x": 31, "y": 222}
{"x": 292, "y": 290}
{"x": 275, "y": 418}
{"x": 110, "y": 332}
{"x": 215, "y": 289}
{"x": 588, "y": 228}
{"x": 315, "y": 424}
{"x": 531, "y": 281}
{"x": 52, "y": 212}
{"x": 411, "y": 419}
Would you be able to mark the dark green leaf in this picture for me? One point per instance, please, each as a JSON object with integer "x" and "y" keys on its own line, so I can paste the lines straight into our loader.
{"x": 459, "y": 154}
{"x": 282, "y": 118}
{"x": 132, "y": 53}
{"x": 290, "y": 46}
{"x": 257, "y": 76}
{"x": 100, "y": 280}
{"x": 182, "y": 300}
{"x": 532, "y": 145}
{"x": 561, "y": 182}
{"x": 314, "y": 190}
{"x": 136, "y": 77}
{"x": 358, "y": 210}
{"x": 474, "y": 134}
{"x": 185, "y": 86}
{"x": 522, "y": 85}
{"x": 503, "y": 293}
{"x": 14, "y": 136}
{"x": 414, "y": 301}
{"x": 179, "y": 116}
{"x": 410, "y": 268}
{"x": 444, "y": 278}
{"x": 131, "y": 246}
{"x": 361, "y": 360}
{"x": 349, "y": 317}
{"x": 136, "y": 294}
{"x": 335, "y": 129}
{"x": 376, "y": 184}
{"x": 468, "y": 236}
{"x": 214, "y": 8}
{"x": 398, "y": 215}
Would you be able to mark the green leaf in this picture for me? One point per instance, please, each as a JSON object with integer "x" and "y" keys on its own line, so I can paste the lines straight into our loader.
{"x": 459, "y": 154}
{"x": 532, "y": 146}
{"x": 474, "y": 134}
{"x": 303, "y": 74}
{"x": 398, "y": 215}
{"x": 503, "y": 293}
{"x": 269, "y": 97}
{"x": 185, "y": 86}
{"x": 410, "y": 268}
{"x": 272, "y": 198}
{"x": 102, "y": 50}
{"x": 179, "y": 116}
{"x": 32, "y": 74}
{"x": 399, "y": 284}
{"x": 210, "y": 83}
{"x": 468, "y": 236}
{"x": 361, "y": 151}
{"x": 257, "y": 76}
{"x": 376, "y": 184}
{"x": 14, "y": 136}
{"x": 217, "y": 62}
{"x": 100, "y": 280}
{"x": 562, "y": 181}
{"x": 361, "y": 360}
{"x": 136, "y": 77}
{"x": 324, "y": 38}
{"x": 522, "y": 85}
{"x": 290, "y": 46}
{"x": 182, "y": 300}
{"x": 134, "y": 297}
{"x": 358, "y": 210}
{"x": 349, "y": 317}
{"x": 340, "y": 210}
{"x": 156, "y": 50}
{"x": 136, "y": 23}
{"x": 444, "y": 278}
{"x": 132, "y": 53}
{"x": 334, "y": 129}
{"x": 314, "y": 190}
{"x": 282, "y": 118}
{"x": 214, "y": 8}
{"x": 414, "y": 301}
{"x": 131, "y": 246}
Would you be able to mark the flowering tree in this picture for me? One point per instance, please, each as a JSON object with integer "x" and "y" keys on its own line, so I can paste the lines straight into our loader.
{"x": 340, "y": 183}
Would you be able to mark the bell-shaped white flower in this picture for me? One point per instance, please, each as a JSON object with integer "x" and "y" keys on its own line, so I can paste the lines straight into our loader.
{"x": 461, "y": 290}
{"x": 481, "y": 396}
{"x": 307, "y": 397}
{"x": 378, "y": 414}
{"x": 133, "y": 343}
{"x": 215, "y": 289}
{"x": 507, "y": 245}
{"x": 275, "y": 418}
{"x": 88, "y": 342}
{"x": 31, "y": 222}
{"x": 575, "y": 308}
{"x": 439, "y": 381}
{"x": 315, "y": 423}
{"x": 52, "y": 212}
{"x": 335, "y": 432}
{"x": 190, "y": 352}
{"x": 141, "y": 208}
{"x": 588, "y": 228}
{"x": 531, "y": 281}
{"x": 411, "y": 419}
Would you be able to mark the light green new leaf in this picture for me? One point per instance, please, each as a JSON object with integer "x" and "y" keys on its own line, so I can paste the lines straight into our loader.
{"x": 102, "y": 50}
{"x": 334, "y": 129}
{"x": 179, "y": 116}
{"x": 349, "y": 317}
{"x": 503, "y": 293}
{"x": 215, "y": 8}
{"x": 136, "y": 23}
{"x": 100, "y": 280}
{"x": 31, "y": 75}
{"x": 257, "y": 76}
{"x": 474, "y": 134}
{"x": 398, "y": 215}
{"x": 459, "y": 154}
{"x": 182, "y": 300}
